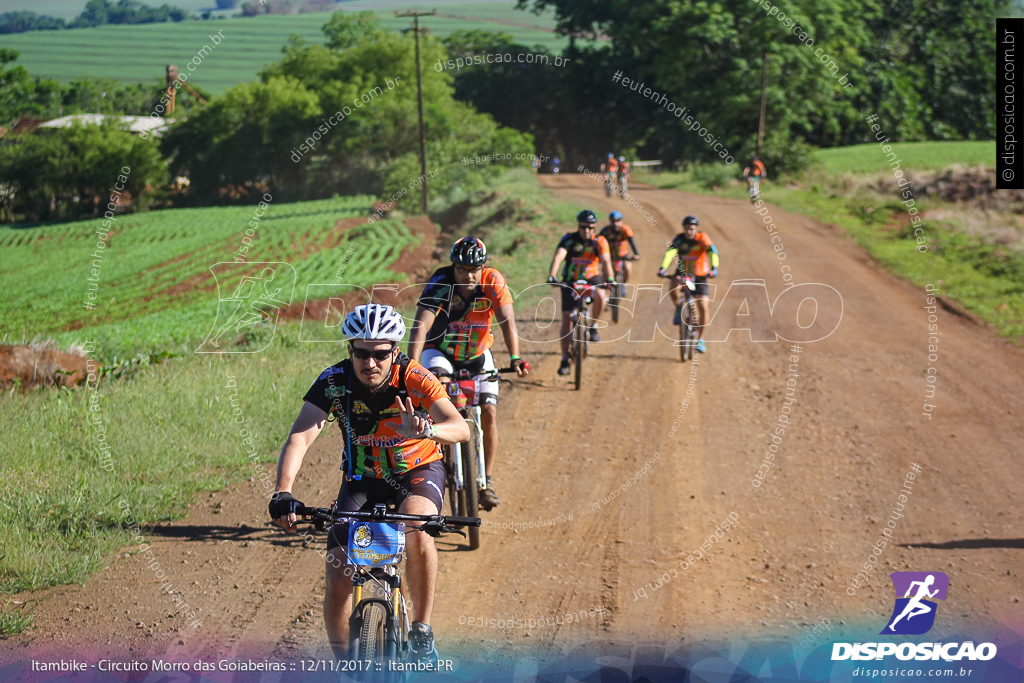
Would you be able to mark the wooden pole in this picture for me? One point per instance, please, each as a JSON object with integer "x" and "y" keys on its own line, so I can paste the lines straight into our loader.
{"x": 419, "y": 94}
{"x": 764, "y": 101}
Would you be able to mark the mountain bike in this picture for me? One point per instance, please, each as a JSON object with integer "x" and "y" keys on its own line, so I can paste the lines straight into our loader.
{"x": 609, "y": 184}
{"x": 580, "y": 323}
{"x": 753, "y": 187}
{"x": 464, "y": 463}
{"x": 379, "y": 624}
{"x": 623, "y": 189}
{"x": 618, "y": 290}
{"x": 688, "y": 318}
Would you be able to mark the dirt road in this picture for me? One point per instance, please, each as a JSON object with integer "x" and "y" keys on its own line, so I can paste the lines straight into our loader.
{"x": 857, "y": 428}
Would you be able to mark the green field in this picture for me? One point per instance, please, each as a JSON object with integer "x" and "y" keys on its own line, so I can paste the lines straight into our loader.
{"x": 142, "y": 52}
{"x": 917, "y": 156}
{"x": 155, "y": 287}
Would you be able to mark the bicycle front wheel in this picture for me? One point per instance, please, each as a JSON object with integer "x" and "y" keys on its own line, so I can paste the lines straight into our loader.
{"x": 371, "y": 634}
{"x": 470, "y": 493}
{"x": 580, "y": 349}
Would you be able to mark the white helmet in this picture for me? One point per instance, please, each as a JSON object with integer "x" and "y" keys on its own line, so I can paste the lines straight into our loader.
{"x": 374, "y": 322}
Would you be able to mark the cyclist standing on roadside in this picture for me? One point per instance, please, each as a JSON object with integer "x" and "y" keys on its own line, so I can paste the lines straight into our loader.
{"x": 754, "y": 171}
{"x": 453, "y": 332}
{"x": 617, "y": 235}
{"x": 586, "y": 256}
{"x": 393, "y": 414}
{"x": 698, "y": 258}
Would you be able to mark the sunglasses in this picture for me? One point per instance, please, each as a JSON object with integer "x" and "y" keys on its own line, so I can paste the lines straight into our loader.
{"x": 363, "y": 354}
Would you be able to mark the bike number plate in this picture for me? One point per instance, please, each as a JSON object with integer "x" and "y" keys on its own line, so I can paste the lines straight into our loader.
{"x": 470, "y": 388}
{"x": 375, "y": 544}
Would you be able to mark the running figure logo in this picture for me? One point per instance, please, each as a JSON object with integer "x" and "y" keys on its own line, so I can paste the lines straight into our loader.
{"x": 914, "y": 613}
{"x": 257, "y": 297}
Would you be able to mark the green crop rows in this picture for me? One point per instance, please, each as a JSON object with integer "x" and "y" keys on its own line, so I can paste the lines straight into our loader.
{"x": 155, "y": 276}
{"x": 248, "y": 44}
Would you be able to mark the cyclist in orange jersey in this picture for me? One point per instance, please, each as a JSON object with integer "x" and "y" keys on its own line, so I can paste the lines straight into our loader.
{"x": 698, "y": 258}
{"x": 620, "y": 239}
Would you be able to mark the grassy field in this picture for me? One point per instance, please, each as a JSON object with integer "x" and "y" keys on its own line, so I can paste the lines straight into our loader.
{"x": 918, "y": 156}
{"x": 62, "y": 529}
{"x": 142, "y": 52}
{"x": 155, "y": 288}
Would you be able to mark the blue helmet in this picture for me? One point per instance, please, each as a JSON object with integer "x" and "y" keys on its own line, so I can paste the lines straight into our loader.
{"x": 615, "y": 216}
{"x": 611, "y": 155}
{"x": 622, "y": 158}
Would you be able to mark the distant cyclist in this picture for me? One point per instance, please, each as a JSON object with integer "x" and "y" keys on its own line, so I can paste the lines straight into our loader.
{"x": 617, "y": 234}
{"x": 392, "y": 413}
{"x": 697, "y": 258}
{"x": 623, "y": 173}
{"x": 453, "y": 332}
{"x": 754, "y": 173}
{"x": 586, "y": 257}
{"x": 555, "y": 163}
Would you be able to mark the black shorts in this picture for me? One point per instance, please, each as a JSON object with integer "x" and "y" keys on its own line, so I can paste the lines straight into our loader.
{"x": 361, "y": 495}
{"x": 700, "y": 285}
{"x": 569, "y": 294}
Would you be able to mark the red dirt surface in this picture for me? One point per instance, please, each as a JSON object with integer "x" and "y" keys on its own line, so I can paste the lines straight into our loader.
{"x": 40, "y": 367}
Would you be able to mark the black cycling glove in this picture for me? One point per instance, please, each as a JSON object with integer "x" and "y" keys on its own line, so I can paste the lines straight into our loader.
{"x": 282, "y": 504}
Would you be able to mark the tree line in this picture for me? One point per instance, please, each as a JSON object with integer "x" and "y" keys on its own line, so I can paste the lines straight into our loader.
{"x": 926, "y": 70}
{"x": 96, "y": 13}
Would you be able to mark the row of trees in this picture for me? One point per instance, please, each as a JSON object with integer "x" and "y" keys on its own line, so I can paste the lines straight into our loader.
{"x": 96, "y": 13}
{"x": 926, "y": 68}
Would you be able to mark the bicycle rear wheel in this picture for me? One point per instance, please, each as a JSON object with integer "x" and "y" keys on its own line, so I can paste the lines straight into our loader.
{"x": 451, "y": 491}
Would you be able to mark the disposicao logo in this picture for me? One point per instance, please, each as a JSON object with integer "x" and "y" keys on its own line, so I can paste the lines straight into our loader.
{"x": 914, "y": 614}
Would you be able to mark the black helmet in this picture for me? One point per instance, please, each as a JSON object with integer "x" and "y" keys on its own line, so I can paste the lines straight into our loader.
{"x": 586, "y": 216}
{"x": 469, "y": 251}
{"x": 690, "y": 220}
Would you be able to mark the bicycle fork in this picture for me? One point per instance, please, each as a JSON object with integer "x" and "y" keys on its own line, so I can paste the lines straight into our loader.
{"x": 478, "y": 435}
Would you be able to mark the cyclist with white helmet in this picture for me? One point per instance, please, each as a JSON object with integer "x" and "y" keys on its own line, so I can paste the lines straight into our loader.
{"x": 393, "y": 413}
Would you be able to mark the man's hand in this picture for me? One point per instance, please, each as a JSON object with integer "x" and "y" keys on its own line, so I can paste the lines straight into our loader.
{"x": 413, "y": 426}
{"x": 282, "y": 510}
{"x": 552, "y": 280}
{"x": 714, "y": 272}
{"x": 521, "y": 367}
{"x": 661, "y": 272}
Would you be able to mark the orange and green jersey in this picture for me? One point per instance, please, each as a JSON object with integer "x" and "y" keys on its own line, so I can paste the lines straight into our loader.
{"x": 697, "y": 257}
{"x": 612, "y": 165}
{"x": 583, "y": 260}
{"x": 617, "y": 239}
{"x": 377, "y": 449}
{"x": 462, "y": 326}
{"x": 757, "y": 169}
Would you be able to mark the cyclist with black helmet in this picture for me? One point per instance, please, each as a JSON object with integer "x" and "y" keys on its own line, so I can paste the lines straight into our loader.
{"x": 698, "y": 258}
{"x": 393, "y": 414}
{"x": 586, "y": 256}
{"x": 618, "y": 234}
{"x": 453, "y": 332}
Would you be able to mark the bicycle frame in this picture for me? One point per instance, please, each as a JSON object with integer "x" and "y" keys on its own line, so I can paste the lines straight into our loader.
{"x": 396, "y": 622}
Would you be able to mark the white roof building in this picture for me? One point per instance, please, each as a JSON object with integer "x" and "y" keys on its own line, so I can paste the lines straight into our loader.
{"x": 154, "y": 125}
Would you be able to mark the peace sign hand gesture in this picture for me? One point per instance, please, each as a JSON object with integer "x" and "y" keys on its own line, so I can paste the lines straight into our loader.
{"x": 413, "y": 426}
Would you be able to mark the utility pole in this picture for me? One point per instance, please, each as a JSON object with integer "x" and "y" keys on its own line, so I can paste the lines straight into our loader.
{"x": 764, "y": 100}
{"x": 419, "y": 93}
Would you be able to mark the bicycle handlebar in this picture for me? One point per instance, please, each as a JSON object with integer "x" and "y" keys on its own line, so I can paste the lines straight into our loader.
{"x": 437, "y": 521}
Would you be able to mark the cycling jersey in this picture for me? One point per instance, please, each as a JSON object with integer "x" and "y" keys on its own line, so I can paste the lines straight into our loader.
{"x": 757, "y": 168}
{"x": 617, "y": 238}
{"x": 377, "y": 449}
{"x": 624, "y": 169}
{"x": 696, "y": 257}
{"x": 583, "y": 260}
{"x": 462, "y": 328}
{"x": 612, "y": 166}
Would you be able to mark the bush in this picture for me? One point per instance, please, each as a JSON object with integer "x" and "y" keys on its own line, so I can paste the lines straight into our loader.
{"x": 712, "y": 176}
{"x": 785, "y": 154}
